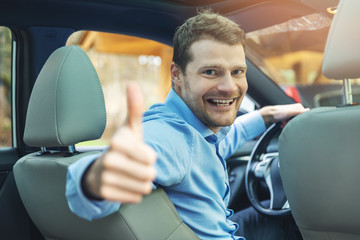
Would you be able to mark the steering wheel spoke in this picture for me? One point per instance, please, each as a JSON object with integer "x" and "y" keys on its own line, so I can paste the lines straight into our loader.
{"x": 286, "y": 205}
{"x": 262, "y": 168}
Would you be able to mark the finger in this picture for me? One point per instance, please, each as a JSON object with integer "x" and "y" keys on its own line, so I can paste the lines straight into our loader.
{"x": 296, "y": 109}
{"x": 119, "y": 163}
{"x": 287, "y": 111}
{"x": 126, "y": 182}
{"x": 116, "y": 194}
{"x": 125, "y": 143}
{"x": 283, "y": 123}
{"x": 135, "y": 104}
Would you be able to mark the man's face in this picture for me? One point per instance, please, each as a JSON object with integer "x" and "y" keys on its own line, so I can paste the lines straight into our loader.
{"x": 214, "y": 82}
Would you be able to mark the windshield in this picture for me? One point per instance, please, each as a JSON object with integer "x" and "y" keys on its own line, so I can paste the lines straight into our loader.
{"x": 291, "y": 55}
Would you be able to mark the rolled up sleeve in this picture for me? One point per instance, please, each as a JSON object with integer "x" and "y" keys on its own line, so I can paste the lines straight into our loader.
{"x": 77, "y": 201}
{"x": 252, "y": 123}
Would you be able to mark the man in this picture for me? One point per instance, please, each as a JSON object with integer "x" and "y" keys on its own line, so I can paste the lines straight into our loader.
{"x": 190, "y": 136}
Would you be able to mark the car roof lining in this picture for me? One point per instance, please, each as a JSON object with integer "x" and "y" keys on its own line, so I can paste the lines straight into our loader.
{"x": 160, "y": 16}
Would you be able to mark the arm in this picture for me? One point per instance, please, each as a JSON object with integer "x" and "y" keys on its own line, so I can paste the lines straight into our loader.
{"x": 278, "y": 113}
{"x": 245, "y": 128}
{"x": 123, "y": 174}
{"x": 251, "y": 125}
{"x": 77, "y": 199}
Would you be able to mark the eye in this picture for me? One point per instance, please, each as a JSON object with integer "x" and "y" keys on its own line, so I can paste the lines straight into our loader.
{"x": 209, "y": 72}
{"x": 238, "y": 72}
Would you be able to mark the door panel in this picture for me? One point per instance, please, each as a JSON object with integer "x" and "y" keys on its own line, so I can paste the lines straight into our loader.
{"x": 14, "y": 221}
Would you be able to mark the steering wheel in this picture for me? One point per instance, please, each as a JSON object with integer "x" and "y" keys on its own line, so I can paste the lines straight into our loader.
{"x": 264, "y": 166}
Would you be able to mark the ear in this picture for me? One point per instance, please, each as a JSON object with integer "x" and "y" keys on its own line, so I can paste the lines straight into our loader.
{"x": 175, "y": 76}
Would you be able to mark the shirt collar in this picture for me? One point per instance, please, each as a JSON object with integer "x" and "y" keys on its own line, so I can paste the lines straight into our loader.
{"x": 179, "y": 107}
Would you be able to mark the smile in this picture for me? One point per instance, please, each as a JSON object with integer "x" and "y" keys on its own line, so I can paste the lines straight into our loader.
{"x": 221, "y": 102}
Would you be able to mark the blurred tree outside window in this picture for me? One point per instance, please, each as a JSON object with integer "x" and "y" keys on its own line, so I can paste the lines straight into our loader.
{"x": 119, "y": 59}
{"x": 5, "y": 87}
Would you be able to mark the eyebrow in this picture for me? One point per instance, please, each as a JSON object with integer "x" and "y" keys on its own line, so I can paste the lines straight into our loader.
{"x": 244, "y": 67}
{"x": 211, "y": 66}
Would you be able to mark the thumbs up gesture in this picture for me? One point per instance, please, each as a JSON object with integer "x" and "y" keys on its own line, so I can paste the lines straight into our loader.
{"x": 126, "y": 171}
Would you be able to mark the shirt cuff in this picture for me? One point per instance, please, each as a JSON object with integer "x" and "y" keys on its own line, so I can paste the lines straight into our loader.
{"x": 78, "y": 203}
{"x": 253, "y": 124}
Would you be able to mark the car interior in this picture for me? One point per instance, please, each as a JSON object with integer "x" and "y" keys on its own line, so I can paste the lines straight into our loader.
{"x": 50, "y": 87}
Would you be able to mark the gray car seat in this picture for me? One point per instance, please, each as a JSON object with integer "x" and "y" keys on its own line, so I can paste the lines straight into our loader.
{"x": 319, "y": 151}
{"x": 67, "y": 107}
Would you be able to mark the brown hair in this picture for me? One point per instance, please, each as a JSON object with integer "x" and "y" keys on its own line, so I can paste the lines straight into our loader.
{"x": 206, "y": 24}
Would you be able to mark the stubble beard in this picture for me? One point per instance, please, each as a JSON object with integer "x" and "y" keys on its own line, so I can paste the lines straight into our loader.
{"x": 207, "y": 118}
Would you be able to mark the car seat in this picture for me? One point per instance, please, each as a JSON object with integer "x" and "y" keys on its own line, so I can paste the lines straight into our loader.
{"x": 67, "y": 107}
{"x": 319, "y": 150}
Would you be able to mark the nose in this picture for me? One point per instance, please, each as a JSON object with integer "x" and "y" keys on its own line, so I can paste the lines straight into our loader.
{"x": 227, "y": 84}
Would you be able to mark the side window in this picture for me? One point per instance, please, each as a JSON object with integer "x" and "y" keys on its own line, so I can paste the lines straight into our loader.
{"x": 248, "y": 104}
{"x": 291, "y": 53}
{"x": 5, "y": 87}
{"x": 120, "y": 59}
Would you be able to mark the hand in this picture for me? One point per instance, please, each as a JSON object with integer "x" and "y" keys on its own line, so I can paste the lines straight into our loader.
{"x": 126, "y": 171}
{"x": 277, "y": 113}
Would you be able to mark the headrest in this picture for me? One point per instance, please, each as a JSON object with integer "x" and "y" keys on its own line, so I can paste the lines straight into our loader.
{"x": 67, "y": 103}
{"x": 342, "y": 50}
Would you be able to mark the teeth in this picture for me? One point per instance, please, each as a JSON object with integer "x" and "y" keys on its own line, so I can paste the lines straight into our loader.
{"x": 222, "y": 102}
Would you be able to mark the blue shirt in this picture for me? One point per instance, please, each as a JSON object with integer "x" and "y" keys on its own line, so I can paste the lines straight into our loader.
{"x": 191, "y": 167}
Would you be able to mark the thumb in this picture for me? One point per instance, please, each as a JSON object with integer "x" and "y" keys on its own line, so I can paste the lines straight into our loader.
{"x": 135, "y": 105}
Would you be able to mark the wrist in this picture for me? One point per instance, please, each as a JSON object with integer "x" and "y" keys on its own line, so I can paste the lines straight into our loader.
{"x": 267, "y": 116}
{"x": 85, "y": 185}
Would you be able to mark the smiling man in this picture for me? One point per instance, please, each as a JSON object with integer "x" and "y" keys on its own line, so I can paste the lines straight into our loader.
{"x": 190, "y": 137}
{"x": 213, "y": 84}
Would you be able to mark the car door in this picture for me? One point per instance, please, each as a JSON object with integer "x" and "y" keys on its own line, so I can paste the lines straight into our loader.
{"x": 22, "y": 54}
{"x": 13, "y": 217}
